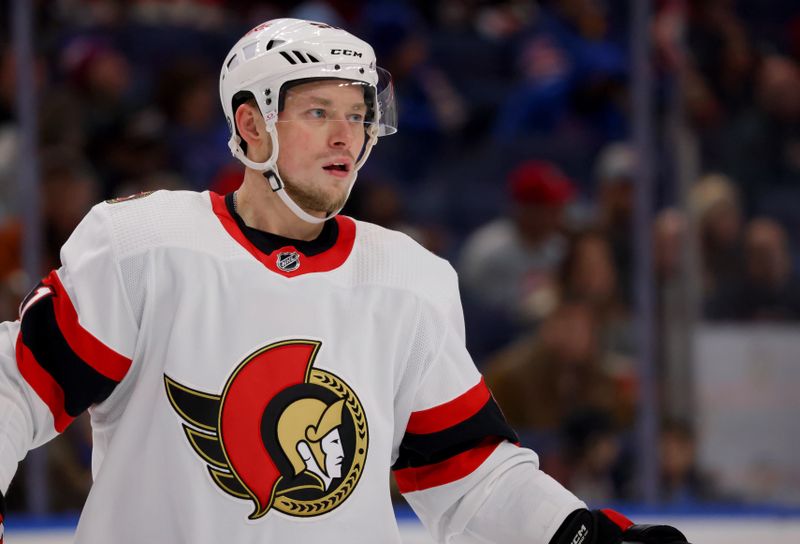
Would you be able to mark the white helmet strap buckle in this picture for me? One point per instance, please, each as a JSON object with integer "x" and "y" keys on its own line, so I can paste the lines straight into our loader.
{"x": 274, "y": 180}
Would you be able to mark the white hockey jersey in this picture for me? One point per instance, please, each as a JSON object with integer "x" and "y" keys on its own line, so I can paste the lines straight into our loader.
{"x": 260, "y": 390}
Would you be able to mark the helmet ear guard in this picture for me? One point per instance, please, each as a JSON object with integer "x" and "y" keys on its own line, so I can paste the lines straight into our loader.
{"x": 281, "y": 53}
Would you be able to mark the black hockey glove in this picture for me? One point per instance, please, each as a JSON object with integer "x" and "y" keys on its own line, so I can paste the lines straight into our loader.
{"x": 610, "y": 527}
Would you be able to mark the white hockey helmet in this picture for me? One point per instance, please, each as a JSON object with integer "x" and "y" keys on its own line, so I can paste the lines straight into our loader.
{"x": 280, "y": 51}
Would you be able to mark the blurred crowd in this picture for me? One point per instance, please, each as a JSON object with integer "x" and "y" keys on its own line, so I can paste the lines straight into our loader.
{"x": 514, "y": 160}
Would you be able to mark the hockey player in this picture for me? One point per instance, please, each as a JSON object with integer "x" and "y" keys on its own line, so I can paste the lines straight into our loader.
{"x": 255, "y": 365}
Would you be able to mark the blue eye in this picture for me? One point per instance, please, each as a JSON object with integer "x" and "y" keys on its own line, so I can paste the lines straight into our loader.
{"x": 317, "y": 113}
{"x": 355, "y": 118}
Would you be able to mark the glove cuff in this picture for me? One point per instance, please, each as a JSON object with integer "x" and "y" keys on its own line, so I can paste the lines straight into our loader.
{"x": 609, "y": 526}
{"x": 618, "y": 519}
{"x": 592, "y": 527}
{"x": 578, "y": 528}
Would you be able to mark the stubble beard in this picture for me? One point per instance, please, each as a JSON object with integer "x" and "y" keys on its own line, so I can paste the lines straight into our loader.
{"x": 314, "y": 199}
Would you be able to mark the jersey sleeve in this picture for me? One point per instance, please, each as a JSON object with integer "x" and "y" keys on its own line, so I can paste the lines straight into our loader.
{"x": 459, "y": 464}
{"x": 72, "y": 344}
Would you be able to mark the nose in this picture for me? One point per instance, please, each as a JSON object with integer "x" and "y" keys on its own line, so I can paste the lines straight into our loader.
{"x": 340, "y": 135}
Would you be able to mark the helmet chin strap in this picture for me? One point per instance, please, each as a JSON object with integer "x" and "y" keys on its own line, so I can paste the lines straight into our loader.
{"x": 269, "y": 169}
{"x": 276, "y": 184}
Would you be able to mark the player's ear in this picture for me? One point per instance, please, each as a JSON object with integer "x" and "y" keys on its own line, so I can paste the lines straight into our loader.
{"x": 252, "y": 129}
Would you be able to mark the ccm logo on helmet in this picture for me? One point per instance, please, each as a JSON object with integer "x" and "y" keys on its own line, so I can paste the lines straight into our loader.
{"x": 346, "y": 53}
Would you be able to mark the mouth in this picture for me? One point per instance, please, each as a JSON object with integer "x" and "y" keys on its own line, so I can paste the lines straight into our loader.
{"x": 339, "y": 167}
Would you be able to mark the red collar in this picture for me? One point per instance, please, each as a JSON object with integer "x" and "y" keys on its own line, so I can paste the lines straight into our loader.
{"x": 323, "y": 262}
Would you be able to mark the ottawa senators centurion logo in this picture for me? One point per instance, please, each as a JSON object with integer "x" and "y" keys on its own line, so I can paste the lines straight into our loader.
{"x": 281, "y": 433}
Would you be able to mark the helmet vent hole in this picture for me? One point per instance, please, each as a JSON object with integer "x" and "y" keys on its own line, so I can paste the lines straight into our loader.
{"x": 274, "y": 43}
{"x": 312, "y": 58}
{"x": 337, "y": 67}
{"x": 361, "y": 70}
{"x": 300, "y": 56}
{"x": 233, "y": 62}
{"x": 285, "y": 55}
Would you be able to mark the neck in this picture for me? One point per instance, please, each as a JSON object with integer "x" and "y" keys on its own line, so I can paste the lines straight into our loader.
{"x": 261, "y": 208}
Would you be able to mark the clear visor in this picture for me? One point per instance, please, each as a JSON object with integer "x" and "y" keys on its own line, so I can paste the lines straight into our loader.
{"x": 326, "y": 100}
{"x": 386, "y": 104}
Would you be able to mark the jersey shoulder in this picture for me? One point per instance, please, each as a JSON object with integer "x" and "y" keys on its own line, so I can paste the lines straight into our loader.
{"x": 395, "y": 260}
{"x": 163, "y": 219}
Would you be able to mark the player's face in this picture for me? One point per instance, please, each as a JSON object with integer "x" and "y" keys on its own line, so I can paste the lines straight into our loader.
{"x": 321, "y": 134}
{"x": 334, "y": 453}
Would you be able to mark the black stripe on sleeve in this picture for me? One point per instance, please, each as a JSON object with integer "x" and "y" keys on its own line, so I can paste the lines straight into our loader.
{"x": 417, "y": 450}
{"x": 82, "y": 384}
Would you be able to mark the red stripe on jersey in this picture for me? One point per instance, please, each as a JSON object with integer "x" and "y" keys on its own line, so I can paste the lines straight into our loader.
{"x": 323, "y": 262}
{"x": 43, "y": 383}
{"x": 447, "y": 471}
{"x": 450, "y": 413}
{"x": 92, "y": 351}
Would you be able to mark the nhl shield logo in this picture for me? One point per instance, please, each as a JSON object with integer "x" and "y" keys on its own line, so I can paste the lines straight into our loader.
{"x": 288, "y": 261}
{"x": 282, "y": 434}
